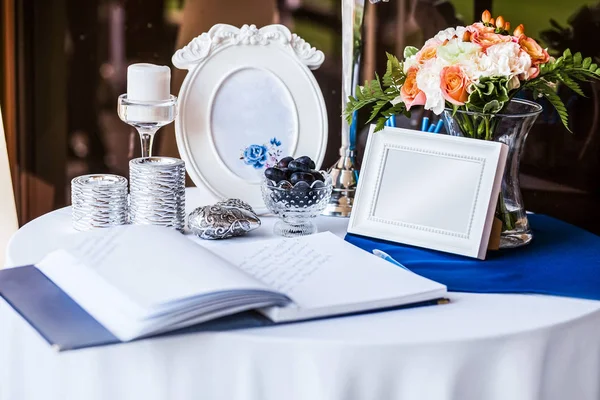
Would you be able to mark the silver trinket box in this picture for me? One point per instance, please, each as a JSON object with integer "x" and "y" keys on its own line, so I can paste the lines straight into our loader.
{"x": 223, "y": 220}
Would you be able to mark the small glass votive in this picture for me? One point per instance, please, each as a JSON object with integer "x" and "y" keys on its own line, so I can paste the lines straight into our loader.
{"x": 157, "y": 192}
{"x": 297, "y": 205}
{"x": 98, "y": 201}
{"x": 147, "y": 117}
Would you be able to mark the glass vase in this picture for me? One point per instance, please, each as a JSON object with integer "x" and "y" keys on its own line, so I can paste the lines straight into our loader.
{"x": 510, "y": 127}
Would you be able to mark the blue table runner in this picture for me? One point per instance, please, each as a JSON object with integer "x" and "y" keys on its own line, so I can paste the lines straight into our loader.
{"x": 562, "y": 260}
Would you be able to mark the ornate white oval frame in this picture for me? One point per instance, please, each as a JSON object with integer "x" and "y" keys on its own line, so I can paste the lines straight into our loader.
{"x": 278, "y": 98}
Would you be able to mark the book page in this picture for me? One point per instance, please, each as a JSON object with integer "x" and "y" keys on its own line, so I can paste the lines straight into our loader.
{"x": 285, "y": 266}
{"x": 154, "y": 266}
{"x": 324, "y": 272}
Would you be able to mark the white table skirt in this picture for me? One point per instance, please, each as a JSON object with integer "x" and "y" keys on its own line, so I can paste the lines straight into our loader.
{"x": 504, "y": 347}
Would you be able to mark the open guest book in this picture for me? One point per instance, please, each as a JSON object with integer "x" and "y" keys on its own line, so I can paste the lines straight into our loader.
{"x": 133, "y": 282}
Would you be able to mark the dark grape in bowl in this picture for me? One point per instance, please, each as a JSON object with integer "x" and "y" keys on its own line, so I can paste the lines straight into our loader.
{"x": 296, "y": 196}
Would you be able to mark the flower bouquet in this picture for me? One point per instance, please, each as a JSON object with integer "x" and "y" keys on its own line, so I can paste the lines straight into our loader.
{"x": 472, "y": 74}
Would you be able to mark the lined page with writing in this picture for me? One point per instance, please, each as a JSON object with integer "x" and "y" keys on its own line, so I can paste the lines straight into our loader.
{"x": 325, "y": 275}
{"x": 284, "y": 266}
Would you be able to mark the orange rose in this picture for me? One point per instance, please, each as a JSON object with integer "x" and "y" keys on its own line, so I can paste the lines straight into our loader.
{"x": 426, "y": 53}
{"x": 478, "y": 26}
{"x": 536, "y": 52}
{"x": 454, "y": 85}
{"x": 486, "y": 39}
{"x": 410, "y": 93}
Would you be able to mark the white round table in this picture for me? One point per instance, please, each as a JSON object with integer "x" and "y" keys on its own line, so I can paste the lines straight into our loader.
{"x": 477, "y": 347}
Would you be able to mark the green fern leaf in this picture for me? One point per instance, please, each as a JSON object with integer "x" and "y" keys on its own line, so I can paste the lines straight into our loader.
{"x": 557, "y": 103}
{"x": 396, "y": 64}
{"x": 577, "y": 59}
{"x": 380, "y": 124}
{"x": 571, "y": 84}
{"x": 376, "y": 109}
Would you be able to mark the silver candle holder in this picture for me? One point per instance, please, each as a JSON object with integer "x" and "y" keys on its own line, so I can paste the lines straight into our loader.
{"x": 157, "y": 192}
{"x": 344, "y": 172}
{"x": 98, "y": 201}
{"x": 147, "y": 117}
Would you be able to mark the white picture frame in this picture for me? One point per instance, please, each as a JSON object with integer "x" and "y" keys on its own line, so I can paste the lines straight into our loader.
{"x": 247, "y": 87}
{"x": 428, "y": 190}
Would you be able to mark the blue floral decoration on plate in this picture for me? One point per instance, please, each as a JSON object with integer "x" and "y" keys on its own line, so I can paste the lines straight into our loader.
{"x": 262, "y": 155}
{"x": 255, "y": 155}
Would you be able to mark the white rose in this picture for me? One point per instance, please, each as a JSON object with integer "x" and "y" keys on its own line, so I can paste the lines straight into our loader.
{"x": 460, "y": 32}
{"x": 475, "y": 66}
{"x": 457, "y": 51}
{"x": 433, "y": 42}
{"x": 524, "y": 64}
{"x": 450, "y": 33}
{"x": 428, "y": 80}
{"x": 505, "y": 59}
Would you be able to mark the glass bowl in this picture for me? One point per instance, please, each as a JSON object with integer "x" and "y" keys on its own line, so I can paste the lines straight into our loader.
{"x": 297, "y": 205}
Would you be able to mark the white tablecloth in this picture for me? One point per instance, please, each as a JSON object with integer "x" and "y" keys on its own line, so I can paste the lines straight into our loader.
{"x": 479, "y": 347}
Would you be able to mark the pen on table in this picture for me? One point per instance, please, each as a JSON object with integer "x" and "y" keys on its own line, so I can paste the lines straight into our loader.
{"x": 387, "y": 257}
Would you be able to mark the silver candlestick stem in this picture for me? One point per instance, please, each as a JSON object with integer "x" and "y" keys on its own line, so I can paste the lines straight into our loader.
{"x": 345, "y": 171}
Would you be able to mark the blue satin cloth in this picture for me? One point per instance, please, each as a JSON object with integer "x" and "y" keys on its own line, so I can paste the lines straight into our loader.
{"x": 562, "y": 260}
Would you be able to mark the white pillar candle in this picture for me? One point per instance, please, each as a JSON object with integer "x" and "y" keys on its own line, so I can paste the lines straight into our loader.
{"x": 148, "y": 82}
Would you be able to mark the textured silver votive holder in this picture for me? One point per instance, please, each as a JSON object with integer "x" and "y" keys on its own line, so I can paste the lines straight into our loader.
{"x": 98, "y": 201}
{"x": 157, "y": 192}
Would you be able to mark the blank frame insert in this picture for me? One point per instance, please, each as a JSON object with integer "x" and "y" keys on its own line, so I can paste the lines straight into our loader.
{"x": 446, "y": 198}
{"x": 429, "y": 190}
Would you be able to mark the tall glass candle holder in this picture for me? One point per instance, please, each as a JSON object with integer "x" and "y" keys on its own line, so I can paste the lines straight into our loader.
{"x": 148, "y": 104}
{"x": 147, "y": 117}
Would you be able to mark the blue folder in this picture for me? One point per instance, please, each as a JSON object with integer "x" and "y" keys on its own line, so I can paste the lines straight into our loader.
{"x": 67, "y": 326}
